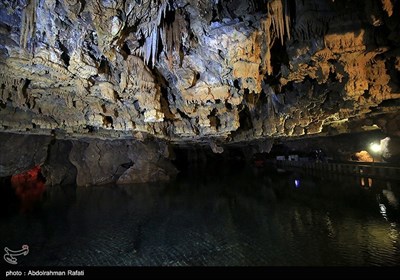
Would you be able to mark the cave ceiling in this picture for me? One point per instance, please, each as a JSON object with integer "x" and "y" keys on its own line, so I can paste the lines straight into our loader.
{"x": 203, "y": 71}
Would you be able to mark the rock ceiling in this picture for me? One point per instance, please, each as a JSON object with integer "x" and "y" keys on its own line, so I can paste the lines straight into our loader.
{"x": 199, "y": 71}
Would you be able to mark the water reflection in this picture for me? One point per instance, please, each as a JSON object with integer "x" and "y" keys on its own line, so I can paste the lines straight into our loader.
{"x": 382, "y": 208}
{"x": 391, "y": 198}
{"x": 29, "y": 188}
{"x": 366, "y": 182}
{"x": 241, "y": 219}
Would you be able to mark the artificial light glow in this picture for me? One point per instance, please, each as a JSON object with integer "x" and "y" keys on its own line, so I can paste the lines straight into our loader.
{"x": 382, "y": 208}
{"x": 376, "y": 148}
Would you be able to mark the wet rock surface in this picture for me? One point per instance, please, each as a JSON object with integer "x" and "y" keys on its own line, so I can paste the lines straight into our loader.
{"x": 103, "y": 162}
{"x": 195, "y": 71}
{"x": 20, "y": 153}
{"x": 57, "y": 169}
{"x": 86, "y": 162}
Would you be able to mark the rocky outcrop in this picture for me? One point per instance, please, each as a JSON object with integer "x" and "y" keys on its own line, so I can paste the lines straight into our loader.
{"x": 86, "y": 162}
{"x": 102, "y": 162}
{"x": 196, "y": 71}
{"x": 57, "y": 169}
{"x": 20, "y": 153}
{"x": 390, "y": 149}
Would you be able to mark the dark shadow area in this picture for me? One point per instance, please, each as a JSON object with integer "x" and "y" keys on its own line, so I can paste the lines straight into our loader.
{"x": 246, "y": 218}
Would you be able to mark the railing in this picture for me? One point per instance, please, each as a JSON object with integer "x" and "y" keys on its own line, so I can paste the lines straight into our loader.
{"x": 364, "y": 169}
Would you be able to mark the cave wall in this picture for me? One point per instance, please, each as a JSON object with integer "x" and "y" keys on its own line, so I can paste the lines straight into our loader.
{"x": 124, "y": 162}
{"x": 191, "y": 71}
{"x": 57, "y": 168}
{"x": 20, "y": 153}
{"x": 86, "y": 162}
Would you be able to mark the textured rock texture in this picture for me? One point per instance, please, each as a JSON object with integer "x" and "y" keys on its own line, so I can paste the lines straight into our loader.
{"x": 101, "y": 162}
{"x": 20, "y": 153}
{"x": 57, "y": 169}
{"x": 86, "y": 162}
{"x": 197, "y": 71}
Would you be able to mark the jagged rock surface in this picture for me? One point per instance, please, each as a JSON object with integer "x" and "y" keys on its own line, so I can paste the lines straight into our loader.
{"x": 57, "y": 169}
{"x": 196, "y": 71}
{"x": 19, "y": 153}
{"x": 86, "y": 162}
{"x": 102, "y": 162}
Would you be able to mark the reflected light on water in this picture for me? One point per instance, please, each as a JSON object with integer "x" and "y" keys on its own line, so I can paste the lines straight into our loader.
{"x": 390, "y": 196}
{"x": 366, "y": 182}
{"x": 329, "y": 226}
{"x": 242, "y": 219}
{"x": 393, "y": 232}
{"x": 382, "y": 208}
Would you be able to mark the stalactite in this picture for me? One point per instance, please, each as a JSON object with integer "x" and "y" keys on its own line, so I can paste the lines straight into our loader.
{"x": 170, "y": 35}
{"x": 161, "y": 12}
{"x": 163, "y": 36}
{"x": 170, "y": 40}
{"x": 388, "y": 6}
{"x": 276, "y": 12}
{"x": 280, "y": 18}
{"x": 154, "y": 45}
{"x": 28, "y": 23}
{"x": 147, "y": 50}
{"x": 287, "y": 19}
{"x": 269, "y": 41}
{"x": 275, "y": 26}
{"x": 153, "y": 34}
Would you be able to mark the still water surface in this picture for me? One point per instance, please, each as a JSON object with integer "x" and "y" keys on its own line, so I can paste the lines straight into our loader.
{"x": 240, "y": 218}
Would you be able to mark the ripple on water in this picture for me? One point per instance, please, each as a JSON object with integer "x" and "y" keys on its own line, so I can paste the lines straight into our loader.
{"x": 181, "y": 224}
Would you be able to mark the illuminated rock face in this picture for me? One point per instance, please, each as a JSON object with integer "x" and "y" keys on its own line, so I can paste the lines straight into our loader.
{"x": 198, "y": 71}
{"x": 29, "y": 187}
{"x": 84, "y": 162}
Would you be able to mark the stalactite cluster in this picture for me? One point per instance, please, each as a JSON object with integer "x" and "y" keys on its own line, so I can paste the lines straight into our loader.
{"x": 197, "y": 71}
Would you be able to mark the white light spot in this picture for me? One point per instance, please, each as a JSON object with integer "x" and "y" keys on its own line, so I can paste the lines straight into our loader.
{"x": 376, "y": 148}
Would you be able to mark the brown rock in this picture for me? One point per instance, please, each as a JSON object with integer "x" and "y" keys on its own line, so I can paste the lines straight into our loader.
{"x": 190, "y": 72}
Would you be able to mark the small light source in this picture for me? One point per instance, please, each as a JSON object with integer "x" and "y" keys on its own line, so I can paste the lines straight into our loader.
{"x": 382, "y": 208}
{"x": 376, "y": 148}
{"x": 297, "y": 183}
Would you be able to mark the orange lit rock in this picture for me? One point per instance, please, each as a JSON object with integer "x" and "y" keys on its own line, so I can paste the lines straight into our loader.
{"x": 363, "y": 156}
{"x": 29, "y": 187}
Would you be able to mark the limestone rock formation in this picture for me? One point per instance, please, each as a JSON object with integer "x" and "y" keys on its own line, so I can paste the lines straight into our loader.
{"x": 20, "y": 153}
{"x": 86, "y": 162}
{"x": 390, "y": 149}
{"x": 57, "y": 169}
{"x": 202, "y": 71}
{"x": 103, "y": 162}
